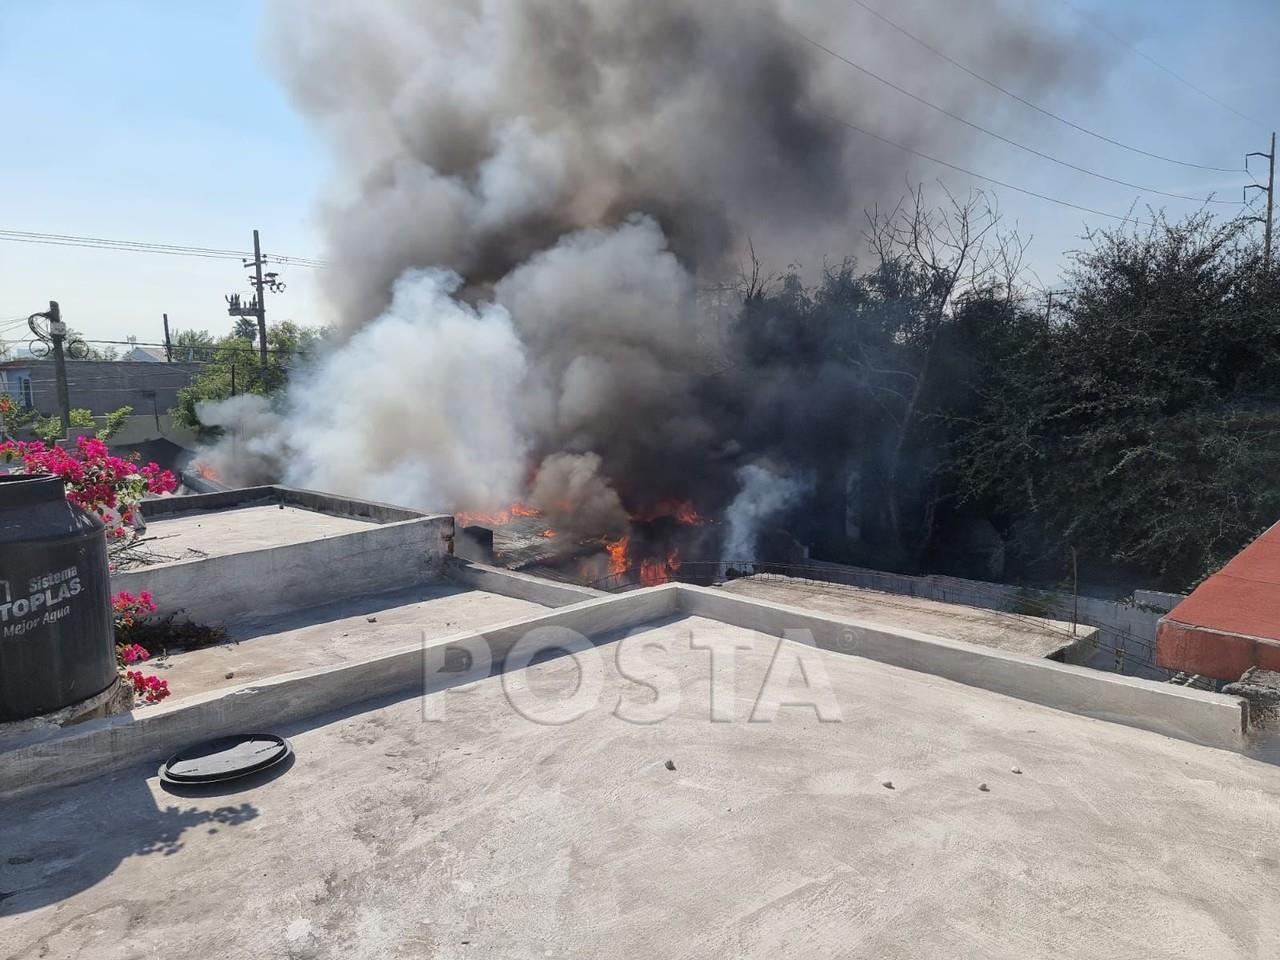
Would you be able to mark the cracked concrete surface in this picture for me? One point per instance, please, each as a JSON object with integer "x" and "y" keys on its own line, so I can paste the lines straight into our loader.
{"x": 484, "y": 834}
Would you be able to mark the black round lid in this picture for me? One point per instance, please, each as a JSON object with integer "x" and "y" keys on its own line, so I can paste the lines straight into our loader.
{"x": 225, "y": 758}
{"x": 26, "y": 490}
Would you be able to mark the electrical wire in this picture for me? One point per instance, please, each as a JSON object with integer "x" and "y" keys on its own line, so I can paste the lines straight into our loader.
{"x": 979, "y": 176}
{"x": 131, "y": 243}
{"x": 145, "y": 343}
{"x": 135, "y": 246}
{"x": 1092, "y": 22}
{"x": 99, "y": 246}
{"x": 142, "y": 245}
{"x": 1011, "y": 142}
{"x": 250, "y": 353}
{"x": 1035, "y": 106}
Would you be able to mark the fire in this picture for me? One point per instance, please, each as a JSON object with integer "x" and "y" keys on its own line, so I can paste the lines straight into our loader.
{"x": 654, "y": 572}
{"x": 499, "y": 518}
{"x": 206, "y": 471}
{"x": 617, "y": 550}
{"x": 682, "y": 511}
{"x": 548, "y": 533}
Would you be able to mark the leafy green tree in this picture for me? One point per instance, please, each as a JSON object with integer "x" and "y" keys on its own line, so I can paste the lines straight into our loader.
{"x": 194, "y": 345}
{"x": 49, "y": 429}
{"x": 1141, "y": 428}
{"x": 234, "y": 368}
{"x": 1135, "y": 423}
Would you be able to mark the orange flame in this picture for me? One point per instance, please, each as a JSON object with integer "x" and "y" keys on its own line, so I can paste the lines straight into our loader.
{"x": 499, "y": 518}
{"x": 206, "y": 471}
{"x": 656, "y": 571}
{"x": 617, "y": 550}
{"x": 548, "y": 533}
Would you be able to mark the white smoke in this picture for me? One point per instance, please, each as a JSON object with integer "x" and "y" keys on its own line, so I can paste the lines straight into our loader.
{"x": 763, "y": 495}
{"x": 251, "y": 450}
{"x": 441, "y": 405}
{"x": 421, "y": 407}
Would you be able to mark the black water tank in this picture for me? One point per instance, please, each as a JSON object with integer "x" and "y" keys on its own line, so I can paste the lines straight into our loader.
{"x": 56, "y": 642}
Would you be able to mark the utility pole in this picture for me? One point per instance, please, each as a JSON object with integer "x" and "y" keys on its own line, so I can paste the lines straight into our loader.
{"x": 257, "y": 306}
{"x": 262, "y": 308}
{"x": 58, "y": 333}
{"x": 1270, "y": 189}
{"x": 168, "y": 344}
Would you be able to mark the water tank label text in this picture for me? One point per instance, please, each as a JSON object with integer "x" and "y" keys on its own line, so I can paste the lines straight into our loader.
{"x": 48, "y": 600}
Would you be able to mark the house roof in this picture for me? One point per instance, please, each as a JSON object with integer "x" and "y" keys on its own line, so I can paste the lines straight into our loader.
{"x": 146, "y": 354}
{"x": 1232, "y": 620}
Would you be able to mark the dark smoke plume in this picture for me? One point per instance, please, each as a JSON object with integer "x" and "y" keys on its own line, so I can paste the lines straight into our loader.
{"x": 531, "y": 198}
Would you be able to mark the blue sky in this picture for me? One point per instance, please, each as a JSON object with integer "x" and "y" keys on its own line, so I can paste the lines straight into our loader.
{"x": 155, "y": 122}
{"x": 161, "y": 122}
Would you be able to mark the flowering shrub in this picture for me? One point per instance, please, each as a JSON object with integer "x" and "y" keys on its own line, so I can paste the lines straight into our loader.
{"x": 150, "y": 689}
{"x": 131, "y": 653}
{"x": 129, "y": 609}
{"x": 110, "y": 487}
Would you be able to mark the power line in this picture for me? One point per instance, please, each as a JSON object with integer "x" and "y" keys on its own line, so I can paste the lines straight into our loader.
{"x": 249, "y": 349}
{"x": 979, "y": 176}
{"x": 131, "y": 243}
{"x": 212, "y": 347}
{"x": 138, "y": 244}
{"x": 135, "y": 246}
{"x": 100, "y": 246}
{"x": 1035, "y": 106}
{"x": 1092, "y": 22}
{"x": 1011, "y": 142}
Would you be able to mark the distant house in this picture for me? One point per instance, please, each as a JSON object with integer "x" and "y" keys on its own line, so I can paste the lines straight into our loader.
{"x": 98, "y": 386}
{"x": 146, "y": 355}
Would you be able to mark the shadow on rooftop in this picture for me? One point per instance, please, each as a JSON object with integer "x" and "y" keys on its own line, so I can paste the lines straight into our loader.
{"x": 56, "y": 844}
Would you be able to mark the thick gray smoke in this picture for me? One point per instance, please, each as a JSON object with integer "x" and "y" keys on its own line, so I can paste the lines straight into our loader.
{"x": 529, "y": 195}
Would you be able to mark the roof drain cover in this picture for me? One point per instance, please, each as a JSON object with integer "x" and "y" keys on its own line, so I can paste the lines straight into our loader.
{"x": 226, "y": 758}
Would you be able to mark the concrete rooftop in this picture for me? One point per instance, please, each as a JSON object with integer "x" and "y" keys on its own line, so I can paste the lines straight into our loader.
{"x": 337, "y": 632}
{"x": 1030, "y": 636}
{"x": 484, "y": 834}
{"x": 218, "y": 533}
